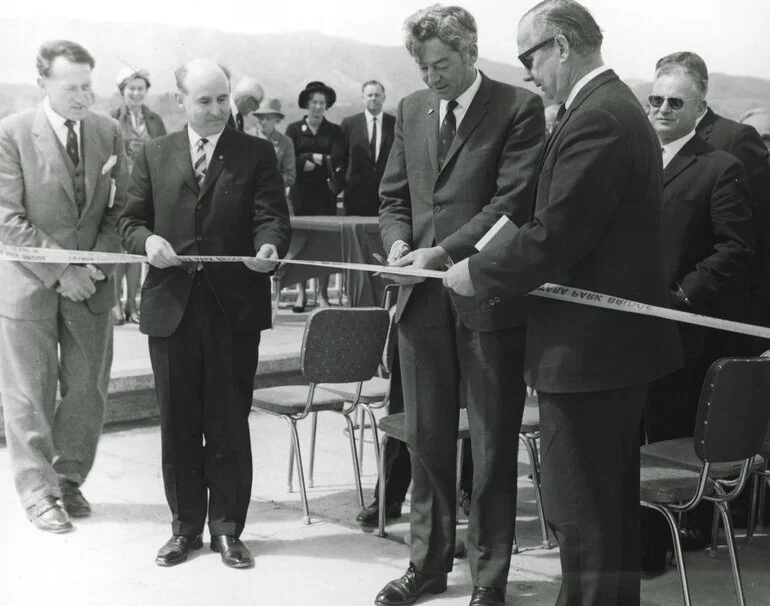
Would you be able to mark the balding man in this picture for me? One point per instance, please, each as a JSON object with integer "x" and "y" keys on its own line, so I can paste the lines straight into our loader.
{"x": 206, "y": 190}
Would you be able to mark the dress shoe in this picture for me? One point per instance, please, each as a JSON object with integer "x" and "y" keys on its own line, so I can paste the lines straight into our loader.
{"x": 694, "y": 539}
{"x": 370, "y": 516}
{"x": 409, "y": 587}
{"x": 464, "y": 501}
{"x": 74, "y": 502}
{"x": 132, "y": 317}
{"x": 47, "y": 515}
{"x": 487, "y": 596}
{"x": 234, "y": 553}
{"x": 176, "y": 549}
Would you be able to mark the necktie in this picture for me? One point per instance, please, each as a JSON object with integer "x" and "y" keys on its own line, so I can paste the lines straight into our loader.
{"x": 199, "y": 163}
{"x": 447, "y": 132}
{"x": 373, "y": 140}
{"x": 559, "y": 115}
{"x": 72, "y": 142}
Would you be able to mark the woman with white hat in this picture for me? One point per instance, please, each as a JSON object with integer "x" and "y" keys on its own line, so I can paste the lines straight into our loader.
{"x": 137, "y": 125}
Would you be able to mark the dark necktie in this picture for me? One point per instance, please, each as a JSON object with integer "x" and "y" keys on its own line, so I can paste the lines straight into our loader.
{"x": 199, "y": 163}
{"x": 447, "y": 132}
{"x": 373, "y": 140}
{"x": 72, "y": 142}
{"x": 559, "y": 115}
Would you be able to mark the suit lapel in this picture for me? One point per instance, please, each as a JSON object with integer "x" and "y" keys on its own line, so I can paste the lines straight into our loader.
{"x": 703, "y": 130}
{"x": 216, "y": 162}
{"x": 473, "y": 115}
{"x": 363, "y": 129}
{"x": 387, "y": 140}
{"x": 684, "y": 158}
{"x": 183, "y": 159}
{"x": 48, "y": 144}
{"x": 92, "y": 156}
{"x": 431, "y": 118}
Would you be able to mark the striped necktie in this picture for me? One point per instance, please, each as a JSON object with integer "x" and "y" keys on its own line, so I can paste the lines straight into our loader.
{"x": 199, "y": 162}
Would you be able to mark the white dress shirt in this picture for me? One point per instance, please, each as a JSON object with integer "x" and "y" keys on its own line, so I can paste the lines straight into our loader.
{"x": 582, "y": 82}
{"x": 57, "y": 123}
{"x": 463, "y": 102}
{"x": 211, "y": 143}
{"x": 672, "y": 149}
{"x": 369, "y": 121}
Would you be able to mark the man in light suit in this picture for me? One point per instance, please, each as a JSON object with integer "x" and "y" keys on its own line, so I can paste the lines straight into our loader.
{"x": 62, "y": 180}
{"x": 464, "y": 154}
{"x": 212, "y": 190}
{"x": 595, "y": 226}
{"x": 368, "y": 139}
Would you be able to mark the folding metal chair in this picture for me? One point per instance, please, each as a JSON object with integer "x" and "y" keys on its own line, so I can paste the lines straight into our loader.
{"x": 340, "y": 345}
{"x": 677, "y": 475}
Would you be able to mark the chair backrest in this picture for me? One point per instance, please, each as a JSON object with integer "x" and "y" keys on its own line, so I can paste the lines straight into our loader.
{"x": 733, "y": 410}
{"x": 343, "y": 344}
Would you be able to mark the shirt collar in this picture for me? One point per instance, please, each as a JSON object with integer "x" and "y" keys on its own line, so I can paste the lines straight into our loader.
{"x": 370, "y": 116}
{"x": 465, "y": 98}
{"x": 673, "y": 147}
{"x": 698, "y": 120}
{"x": 582, "y": 82}
{"x": 195, "y": 137}
{"x": 57, "y": 120}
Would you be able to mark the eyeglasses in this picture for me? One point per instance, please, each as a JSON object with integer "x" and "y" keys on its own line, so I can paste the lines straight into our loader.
{"x": 675, "y": 103}
{"x": 526, "y": 56}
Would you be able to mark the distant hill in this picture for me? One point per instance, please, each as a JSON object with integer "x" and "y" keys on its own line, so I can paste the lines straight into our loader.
{"x": 283, "y": 63}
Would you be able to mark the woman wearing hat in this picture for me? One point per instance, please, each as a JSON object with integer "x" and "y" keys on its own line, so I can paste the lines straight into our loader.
{"x": 319, "y": 148}
{"x": 137, "y": 125}
{"x": 261, "y": 123}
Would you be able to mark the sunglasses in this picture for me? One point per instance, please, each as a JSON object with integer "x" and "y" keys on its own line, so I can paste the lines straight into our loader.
{"x": 526, "y": 57}
{"x": 675, "y": 103}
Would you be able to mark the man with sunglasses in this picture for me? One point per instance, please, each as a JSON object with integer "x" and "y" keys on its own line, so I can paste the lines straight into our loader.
{"x": 595, "y": 226}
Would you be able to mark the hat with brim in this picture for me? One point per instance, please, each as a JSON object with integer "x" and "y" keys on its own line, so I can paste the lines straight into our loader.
{"x": 317, "y": 87}
{"x": 127, "y": 74}
{"x": 269, "y": 107}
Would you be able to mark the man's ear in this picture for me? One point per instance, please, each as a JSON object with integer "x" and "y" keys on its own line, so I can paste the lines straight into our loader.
{"x": 564, "y": 48}
{"x": 179, "y": 99}
{"x": 473, "y": 53}
{"x": 41, "y": 82}
{"x": 701, "y": 109}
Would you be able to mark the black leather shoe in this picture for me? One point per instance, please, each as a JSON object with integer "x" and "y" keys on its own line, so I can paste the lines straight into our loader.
{"x": 487, "y": 596}
{"x": 694, "y": 539}
{"x": 234, "y": 553}
{"x": 370, "y": 516}
{"x": 176, "y": 549}
{"x": 73, "y": 501}
{"x": 409, "y": 587}
{"x": 47, "y": 515}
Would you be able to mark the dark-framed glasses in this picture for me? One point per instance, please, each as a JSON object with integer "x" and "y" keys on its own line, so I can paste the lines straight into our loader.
{"x": 675, "y": 103}
{"x": 526, "y": 56}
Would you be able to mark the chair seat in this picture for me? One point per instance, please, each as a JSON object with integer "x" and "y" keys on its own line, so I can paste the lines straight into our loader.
{"x": 682, "y": 452}
{"x": 530, "y": 422}
{"x": 292, "y": 399}
{"x": 372, "y": 391}
{"x": 667, "y": 483}
{"x": 395, "y": 426}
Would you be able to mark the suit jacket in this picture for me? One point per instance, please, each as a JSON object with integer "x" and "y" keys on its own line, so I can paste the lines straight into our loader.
{"x": 363, "y": 174}
{"x": 240, "y": 207}
{"x": 596, "y": 226}
{"x": 489, "y": 171}
{"x": 38, "y": 207}
{"x": 743, "y": 142}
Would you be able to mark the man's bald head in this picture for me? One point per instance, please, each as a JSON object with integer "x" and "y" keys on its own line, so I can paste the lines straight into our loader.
{"x": 199, "y": 68}
{"x": 204, "y": 92}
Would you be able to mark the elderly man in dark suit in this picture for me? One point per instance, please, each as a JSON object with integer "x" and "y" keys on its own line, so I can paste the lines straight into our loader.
{"x": 464, "y": 154}
{"x": 209, "y": 190}
{"x": 62, "y": 185}
{"x": 368, "y": 139}
{"x": 743, "y": 142}
{"x": 595, "y": 226}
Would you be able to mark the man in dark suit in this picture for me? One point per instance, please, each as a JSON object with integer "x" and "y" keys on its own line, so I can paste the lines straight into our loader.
{"x": 368, "y": 138}
{"x": 595, "y": 226}
{"x": 464, "y": 154}
{"x": 206, "y": 190}
{"x": 707, "y": 242}
{"x": 743, "y": 142}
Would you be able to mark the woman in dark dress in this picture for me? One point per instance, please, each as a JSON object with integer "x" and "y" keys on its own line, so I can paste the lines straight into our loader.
{"x": 319, "y": 147}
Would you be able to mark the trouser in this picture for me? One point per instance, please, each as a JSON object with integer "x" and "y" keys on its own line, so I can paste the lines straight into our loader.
{"x": 49, "y": 443}
{"x": 590, "y": 486}
{"x": 204, "y": 376}
{"x": 444, "y": 365}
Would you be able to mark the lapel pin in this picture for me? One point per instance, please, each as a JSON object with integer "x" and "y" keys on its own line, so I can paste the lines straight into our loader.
{"x": 430, "y": 111}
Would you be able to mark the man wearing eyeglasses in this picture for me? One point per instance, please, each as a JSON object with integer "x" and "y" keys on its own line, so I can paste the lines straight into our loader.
{"x": 595, "y": 226}
{"x": 707, "y": 241}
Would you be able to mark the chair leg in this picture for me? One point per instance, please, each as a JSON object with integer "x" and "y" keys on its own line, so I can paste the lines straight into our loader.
{"x": 762, "y": 497}
{"x": 290, "y": 475}
{"x": 534, "y": 463}
{"x": 300, "y": 474}
{"x": 361, "y": 424}
{"x": 381, "y": 482}
{"x": 752, "y": 509}
{"x": 714, "y": 533}
{"x": 313, "y": 432}
{"x": 375, "y": 431}
{"x": 724, "y": 509}
{"x": 354, "y": 456}
{"x": 674, "y": 528}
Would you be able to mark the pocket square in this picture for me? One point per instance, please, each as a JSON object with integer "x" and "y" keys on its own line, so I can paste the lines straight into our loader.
{"x": 109, "y": 164}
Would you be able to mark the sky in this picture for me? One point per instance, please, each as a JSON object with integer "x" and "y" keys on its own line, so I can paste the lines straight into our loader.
{"x": 731, "y": 35}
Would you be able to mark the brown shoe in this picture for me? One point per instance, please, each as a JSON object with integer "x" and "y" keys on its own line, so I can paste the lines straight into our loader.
{"x": 409, "y": 587}
{"x": 74, "y": 502}
{"x": 47, "y": 515}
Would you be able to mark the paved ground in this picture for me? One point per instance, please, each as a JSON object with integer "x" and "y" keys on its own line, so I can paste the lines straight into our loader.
{"x": 108, "y": 560}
